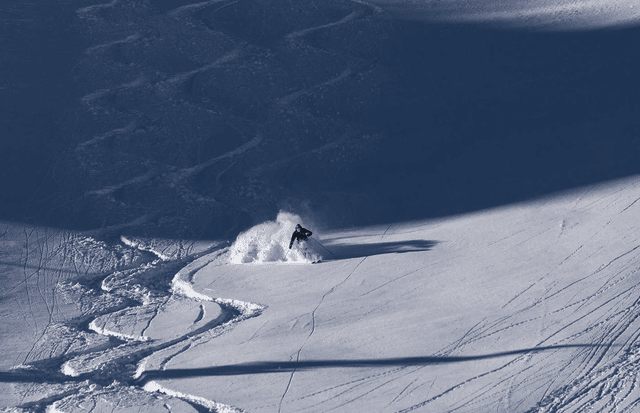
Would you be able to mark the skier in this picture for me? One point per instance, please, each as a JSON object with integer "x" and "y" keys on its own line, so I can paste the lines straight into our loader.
{"x": 299, "y": 234}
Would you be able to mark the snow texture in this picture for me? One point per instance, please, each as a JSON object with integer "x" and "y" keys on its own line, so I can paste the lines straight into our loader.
{"x": 525, "y": 308}
{"x": 557, "y": 15}
{"x": 211, "y": 406}
{"x": 269, "y": 242}
{"x": 141, "y": 137}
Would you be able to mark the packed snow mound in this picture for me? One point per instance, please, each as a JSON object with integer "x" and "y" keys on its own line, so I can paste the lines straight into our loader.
{"x": 269, "y": 242}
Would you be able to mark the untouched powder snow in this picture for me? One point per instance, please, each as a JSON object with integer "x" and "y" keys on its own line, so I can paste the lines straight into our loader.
{"x": 530, "y": 307}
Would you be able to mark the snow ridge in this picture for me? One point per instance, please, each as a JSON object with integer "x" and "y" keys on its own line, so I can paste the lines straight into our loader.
{"x": 184, "y": 288}
{"x": 246, "y": 309}
{"x": 153, "y": 386}
{"x": 93, "y": 326}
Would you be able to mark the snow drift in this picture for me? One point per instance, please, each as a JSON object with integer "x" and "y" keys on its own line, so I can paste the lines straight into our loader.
{"x": 269, "y": 242}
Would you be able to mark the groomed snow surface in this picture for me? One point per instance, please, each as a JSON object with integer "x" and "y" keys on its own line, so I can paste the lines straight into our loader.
{"x": 526, "y": 308}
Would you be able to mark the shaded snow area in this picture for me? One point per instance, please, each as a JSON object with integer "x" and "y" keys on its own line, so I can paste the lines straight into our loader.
{"x": 526, "y": 308}
{"x": 269, "y": 242}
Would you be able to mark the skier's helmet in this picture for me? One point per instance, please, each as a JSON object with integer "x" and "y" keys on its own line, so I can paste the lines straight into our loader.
{"x": 298, "y": 226}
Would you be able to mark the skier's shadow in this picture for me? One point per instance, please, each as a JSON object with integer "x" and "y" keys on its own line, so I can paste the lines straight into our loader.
{"x": 344, "y": 251}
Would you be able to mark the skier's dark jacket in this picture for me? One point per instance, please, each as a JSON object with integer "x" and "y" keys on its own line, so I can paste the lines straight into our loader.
{"x": 300, "y": 233}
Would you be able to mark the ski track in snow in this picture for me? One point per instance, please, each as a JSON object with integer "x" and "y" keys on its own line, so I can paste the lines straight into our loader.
{"x": 192, "y": 7}
{"x": 44, "y": 248}
{"x": 129, "y": 29}
{"x": 289, "y": 99}
{"x": 313, "y": 324}
{"x": 603, "y": 377}
{"x": 353, "y": 15}
{"x": 600, "y": 375}
{"x": 594, "y": 377}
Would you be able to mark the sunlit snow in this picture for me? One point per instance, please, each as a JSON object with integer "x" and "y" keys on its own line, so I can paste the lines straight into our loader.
{"x": 269, "y": 242}
{"x": 468, "y": 254}
{"x": 552, "y": 15}
{"x": 529, "y": 307}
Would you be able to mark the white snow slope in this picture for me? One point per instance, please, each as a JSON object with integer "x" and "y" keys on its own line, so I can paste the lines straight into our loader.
{"x": 526, "y": 308}
{"x": 553, "y": 15}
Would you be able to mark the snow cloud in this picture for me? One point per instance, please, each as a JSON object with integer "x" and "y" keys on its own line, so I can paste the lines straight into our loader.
{"x": 269, "y": 242}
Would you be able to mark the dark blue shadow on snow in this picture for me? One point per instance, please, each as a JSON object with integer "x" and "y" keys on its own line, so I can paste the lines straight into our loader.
{"x": 477, "y": 117}
{"x": 342, "y": 251}
{"x": 266, "y": 367}
{"x": 469, "y": 117}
